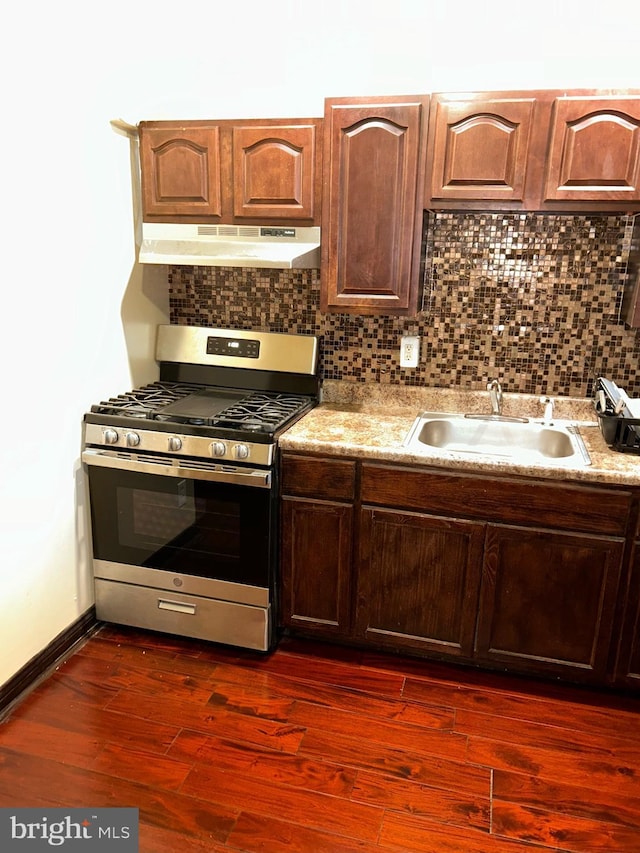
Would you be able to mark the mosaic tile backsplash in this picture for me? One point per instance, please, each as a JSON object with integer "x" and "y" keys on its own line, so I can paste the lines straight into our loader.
{"x": 533, "y": 300}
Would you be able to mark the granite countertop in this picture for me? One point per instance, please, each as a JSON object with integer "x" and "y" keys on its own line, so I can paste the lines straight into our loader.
{"x": 365, "y": 421}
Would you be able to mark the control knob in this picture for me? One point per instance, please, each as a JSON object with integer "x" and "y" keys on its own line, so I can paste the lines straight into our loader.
{"x": 133, "y": 439}
{"x": 218, "y": 448}
{"x": 110, "y": 436}
{"x": 175, "y": 443}
{"x": 241, "y": 451}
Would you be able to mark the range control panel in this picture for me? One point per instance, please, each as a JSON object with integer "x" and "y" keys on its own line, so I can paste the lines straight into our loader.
{"x": 236, "y": 347}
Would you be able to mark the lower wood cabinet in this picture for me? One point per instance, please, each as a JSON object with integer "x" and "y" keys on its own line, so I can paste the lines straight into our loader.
{"x": 316, "y": 565}
{"x": 509, "y": 573}
{"x": 316, "y": 544}
{"x": 628, "y": 658}
{"x": 548, "y": 600}
{"x": 418, "y": 581}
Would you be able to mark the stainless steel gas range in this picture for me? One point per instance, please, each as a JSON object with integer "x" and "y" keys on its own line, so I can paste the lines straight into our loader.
{"x": 182, "y": 478}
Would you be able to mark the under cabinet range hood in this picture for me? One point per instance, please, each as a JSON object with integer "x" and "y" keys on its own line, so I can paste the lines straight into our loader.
{"x": 271, "y": 246}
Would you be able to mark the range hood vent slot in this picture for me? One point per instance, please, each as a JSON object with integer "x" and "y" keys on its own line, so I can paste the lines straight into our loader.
{"x": 228, "y": 231}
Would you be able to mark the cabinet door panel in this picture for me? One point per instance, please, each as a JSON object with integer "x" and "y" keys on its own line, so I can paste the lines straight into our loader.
{"x": 418, "y": 581}
{"x": 594, "y": 150}
{"x": 372, "y": 215}
{"x": 547, "y": 600}
{"x": 316, "y": 565}
{"x": 274, "y": 171}
{"x": 366, "y": 147}
{"x": 181, "y": 171}
{"x": 628, "y": 657}
{"x": 480, "y": 148}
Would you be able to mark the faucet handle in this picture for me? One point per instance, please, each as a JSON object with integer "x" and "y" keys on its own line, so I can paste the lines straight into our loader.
{"x": 494, "y": 385}
{"x": 495, "y": 395}
{"x": 547, "y": 402}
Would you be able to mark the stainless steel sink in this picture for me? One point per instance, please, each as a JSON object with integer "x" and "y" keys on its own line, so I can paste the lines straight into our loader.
{"x": 519, "y": 440}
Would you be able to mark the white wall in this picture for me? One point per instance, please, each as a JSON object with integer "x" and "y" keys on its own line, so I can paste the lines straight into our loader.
{"x": 78, "y": 314}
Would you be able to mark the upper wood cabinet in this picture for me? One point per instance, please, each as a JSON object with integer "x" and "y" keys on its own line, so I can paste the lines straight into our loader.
{"x": 372, "y": 207}
{"x": 594, "y": 150}
{"x": 536, "y": 150}
{"x": 229, "y": 171}
{"x": 275, "y": 171}
{"x": 480, "y": 148}
{"x": 180, "y": 171}
{"x": 631, "y": 295}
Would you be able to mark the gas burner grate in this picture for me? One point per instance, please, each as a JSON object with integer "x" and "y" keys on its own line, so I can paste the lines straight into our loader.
{"x": 262, "y": 411}
{"x": 187, "y": 404}
{"x": 147, "y": 401}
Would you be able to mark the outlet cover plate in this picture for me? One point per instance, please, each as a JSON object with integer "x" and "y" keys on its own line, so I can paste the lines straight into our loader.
{"x": 409, "y": 351}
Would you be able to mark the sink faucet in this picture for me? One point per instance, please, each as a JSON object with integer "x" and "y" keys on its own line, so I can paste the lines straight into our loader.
{"x": 547, "y": 418}
{"x": 495, "y": 395}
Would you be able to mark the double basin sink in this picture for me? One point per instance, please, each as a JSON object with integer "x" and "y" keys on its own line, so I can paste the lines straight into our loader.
{"x": 517, "y": 440}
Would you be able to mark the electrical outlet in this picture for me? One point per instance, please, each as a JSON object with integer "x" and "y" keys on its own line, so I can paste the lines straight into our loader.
{"x": 409, "y": 351}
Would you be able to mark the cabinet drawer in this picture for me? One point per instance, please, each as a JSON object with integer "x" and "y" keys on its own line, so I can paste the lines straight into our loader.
{"x": 305, "y": 476}
{"x": 557, "y": 506}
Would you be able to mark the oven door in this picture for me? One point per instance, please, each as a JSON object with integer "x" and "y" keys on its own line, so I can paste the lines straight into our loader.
{"x": 201, "y": 531}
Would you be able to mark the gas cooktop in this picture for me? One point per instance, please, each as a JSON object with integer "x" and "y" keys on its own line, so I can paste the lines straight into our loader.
{"x": 198, "y": 405}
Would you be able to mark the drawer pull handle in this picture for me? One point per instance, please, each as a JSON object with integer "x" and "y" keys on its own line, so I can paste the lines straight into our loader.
{"x": 177, "y": 606}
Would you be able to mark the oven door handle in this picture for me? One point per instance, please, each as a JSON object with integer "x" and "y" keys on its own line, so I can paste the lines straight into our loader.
{"x": 187, "y": 469}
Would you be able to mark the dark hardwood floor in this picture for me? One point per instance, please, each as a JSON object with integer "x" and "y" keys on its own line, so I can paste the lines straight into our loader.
{"x": 319, "y": 749}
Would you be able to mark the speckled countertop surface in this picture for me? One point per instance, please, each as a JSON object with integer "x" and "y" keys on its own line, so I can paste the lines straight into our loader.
{"x": 367, "y": 421}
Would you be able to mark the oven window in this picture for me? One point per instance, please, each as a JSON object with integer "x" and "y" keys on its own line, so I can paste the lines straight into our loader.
{"x": 185, "y": 526}
{"x": 155, "y": 516}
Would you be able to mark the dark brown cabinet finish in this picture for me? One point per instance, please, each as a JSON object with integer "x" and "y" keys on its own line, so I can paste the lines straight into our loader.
{"x": 548, "y": 600}
{"x": 232, "y": 172}
{"x": 534, "y": 150}
{"x": 594, "y": 150}
{"x": 508, "y": 500}
{"x": 372, "y": 207}
{"x": 317, "y": 537}
{"x": 277, "y": 172}
{"x": 628, "y": 663}
{"x": 316, "y": 565}
{"x": 418, "y": 581}
{"x": 631, "y": 300}
{"x": 548, "y": 585}
{"x": 181, "y": 171}
{"x": 507, "y": 572}
{"x": 481, "y": 148}
{"x": 630, "y": 311}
